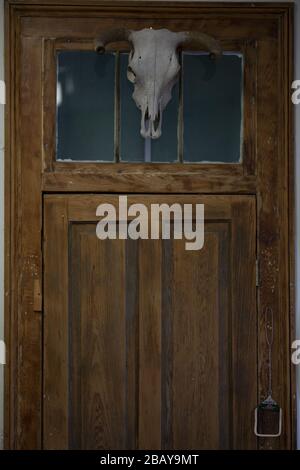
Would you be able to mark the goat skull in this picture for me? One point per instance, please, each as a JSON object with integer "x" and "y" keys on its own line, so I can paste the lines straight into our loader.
{"x": 153, "y": 68}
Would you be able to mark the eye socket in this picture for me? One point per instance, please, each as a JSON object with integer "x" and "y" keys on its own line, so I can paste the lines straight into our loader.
{"x": 131, "y": 75}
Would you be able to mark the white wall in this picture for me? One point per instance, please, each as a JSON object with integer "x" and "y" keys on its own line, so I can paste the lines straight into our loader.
{"x": 297, "y": 179}
{"x": 1, "y": 212}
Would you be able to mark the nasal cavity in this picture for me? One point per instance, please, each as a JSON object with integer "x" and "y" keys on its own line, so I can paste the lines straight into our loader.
{"x": 147, "y": 119}
{"x": 156, "y": 122}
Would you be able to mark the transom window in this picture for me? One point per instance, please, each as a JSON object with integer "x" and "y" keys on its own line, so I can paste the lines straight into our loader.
{"x": 98, "y": 121}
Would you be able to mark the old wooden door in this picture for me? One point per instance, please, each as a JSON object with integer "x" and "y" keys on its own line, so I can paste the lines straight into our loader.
{"x": 148, "y": 345}
{"x": 127, "y": 344}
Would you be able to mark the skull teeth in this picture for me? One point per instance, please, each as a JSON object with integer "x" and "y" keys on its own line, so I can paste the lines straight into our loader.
{"x": 151, "y": 127}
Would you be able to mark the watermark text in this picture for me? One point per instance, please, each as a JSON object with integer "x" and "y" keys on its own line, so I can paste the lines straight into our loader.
{"x": 161, "y": 221}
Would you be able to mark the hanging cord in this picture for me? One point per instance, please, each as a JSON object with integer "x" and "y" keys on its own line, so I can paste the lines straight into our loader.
{"x": 269, "y": 326}
{"x": 269, "y": 404}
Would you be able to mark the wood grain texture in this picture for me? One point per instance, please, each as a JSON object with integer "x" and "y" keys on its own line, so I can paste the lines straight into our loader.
{"x": 27, "y": 266}
{"x": 271, "y": 179}
{"x": 196, "y": 325}
{"x": 169, "y": 361}
{"x": 102, "y": 361}
{"x": 85, "y": 406}
{"x": 149, "y": 431}
{"x": 56, "y": 320}
{"x": 244, "y": 309}
{"x": 148, "y": 182}
{"x": 263, "y": 6}
{"x": 132, "y": 343}
{"x": 273, "y": 235}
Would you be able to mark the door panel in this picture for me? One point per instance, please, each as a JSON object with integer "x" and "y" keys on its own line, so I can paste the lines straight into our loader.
{"x": 147, "y": 345}
{"x": 50, "y": 354}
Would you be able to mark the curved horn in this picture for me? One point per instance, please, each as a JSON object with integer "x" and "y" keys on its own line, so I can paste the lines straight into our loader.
{"x": 115, "y": 35}
{"x": 203, "y": 39}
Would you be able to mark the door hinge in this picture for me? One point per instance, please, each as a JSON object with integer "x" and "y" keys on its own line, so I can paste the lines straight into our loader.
{"x": 257, "y": 272}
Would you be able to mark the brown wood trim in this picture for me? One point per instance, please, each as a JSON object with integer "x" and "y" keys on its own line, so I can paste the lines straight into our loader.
{"x": 273, "y": 7}
{"x": 14, "y": 10}
{"x": 82, "y": 208}
{"x": 273, "y": 232}
{"x": 142, "y": 182}
{"x": 290, "y": 126}
{"x": 49, "y": 109}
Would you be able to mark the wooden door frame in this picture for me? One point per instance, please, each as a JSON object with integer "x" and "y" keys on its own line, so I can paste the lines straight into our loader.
{"x": 23, "y": 264}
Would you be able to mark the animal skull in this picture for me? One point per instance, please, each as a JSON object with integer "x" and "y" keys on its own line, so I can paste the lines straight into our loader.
{"x": 153, "y": 67}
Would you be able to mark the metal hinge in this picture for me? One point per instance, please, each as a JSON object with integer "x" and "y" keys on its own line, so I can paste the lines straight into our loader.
{"x": 257, "y": 272}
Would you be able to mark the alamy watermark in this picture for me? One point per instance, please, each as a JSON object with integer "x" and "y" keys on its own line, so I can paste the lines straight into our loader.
{"x": 163, "y": 221}
{"x": 296, "y": 93}
{"x": 2, "y": 92}
{"x": 296, "y": 344}
{"x": 2, "y": 352}
{"x": 296, "y": 353}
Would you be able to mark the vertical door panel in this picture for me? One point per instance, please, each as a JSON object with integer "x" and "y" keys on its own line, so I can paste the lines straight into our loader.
{"x": 148, "y": 345}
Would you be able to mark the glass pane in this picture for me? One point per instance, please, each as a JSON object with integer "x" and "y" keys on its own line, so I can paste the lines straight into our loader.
{"x": 85, "y": 106}
{"x": 133, "y": 147}
{"x": 212, "y": 108}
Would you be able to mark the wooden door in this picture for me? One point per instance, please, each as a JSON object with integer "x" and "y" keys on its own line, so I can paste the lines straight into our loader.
{"x": 130, "y": 344}
{"x": 147, "y": 345}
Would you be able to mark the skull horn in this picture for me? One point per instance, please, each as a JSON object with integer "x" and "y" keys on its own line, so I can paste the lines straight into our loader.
{"x": 107, "y": 37}
{"x": 202, "y": 39}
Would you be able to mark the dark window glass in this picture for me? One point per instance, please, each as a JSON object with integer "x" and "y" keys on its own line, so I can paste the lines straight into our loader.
{"x": 85, "y": 106}
{"x": 212, "y": 108}
{"x": 88, "y": 113}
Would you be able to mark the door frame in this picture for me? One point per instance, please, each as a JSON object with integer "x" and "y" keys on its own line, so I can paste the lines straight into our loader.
{"x": 23, "y": 328}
